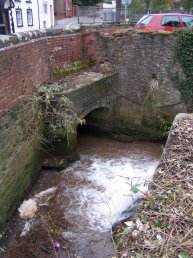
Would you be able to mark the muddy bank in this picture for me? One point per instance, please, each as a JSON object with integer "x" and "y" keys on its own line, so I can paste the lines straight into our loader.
{"x": 162, "y": 225}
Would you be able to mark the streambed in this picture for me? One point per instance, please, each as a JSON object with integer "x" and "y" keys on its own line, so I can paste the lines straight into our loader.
{"x": 95, "y": 192}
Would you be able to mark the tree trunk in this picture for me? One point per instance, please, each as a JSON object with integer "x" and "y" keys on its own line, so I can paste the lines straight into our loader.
{"x": 118, "y": 11}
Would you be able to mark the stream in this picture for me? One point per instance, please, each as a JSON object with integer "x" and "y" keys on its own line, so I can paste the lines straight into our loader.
{"x": 98, "y": 190}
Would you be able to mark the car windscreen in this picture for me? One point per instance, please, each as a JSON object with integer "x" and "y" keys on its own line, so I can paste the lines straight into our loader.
{"x": 187, "y": 21}
{"x": 145, "y": 20}
{"x": 170, "y": 20}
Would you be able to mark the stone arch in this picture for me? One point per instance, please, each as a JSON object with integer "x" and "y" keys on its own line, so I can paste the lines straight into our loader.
{"x": 98, "y": 106}
{"x": 98, "y": 121}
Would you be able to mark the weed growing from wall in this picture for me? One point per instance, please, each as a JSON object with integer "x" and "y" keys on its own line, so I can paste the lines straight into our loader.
{"x": 184, "y": 56}
{"x": 57, "y": 110}
{"x": 69, "y": 69}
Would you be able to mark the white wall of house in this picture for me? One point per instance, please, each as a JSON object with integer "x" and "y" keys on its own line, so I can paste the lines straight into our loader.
{"x": 25, "y": 15}
{"x": 32, "y": 14}
{"x": 112, "y": 5}
{"x": 46, "y": 10}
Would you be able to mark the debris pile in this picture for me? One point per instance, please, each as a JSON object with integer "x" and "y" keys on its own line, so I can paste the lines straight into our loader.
{"x": 163, "y": 224}
{"x": 43, "y": 226}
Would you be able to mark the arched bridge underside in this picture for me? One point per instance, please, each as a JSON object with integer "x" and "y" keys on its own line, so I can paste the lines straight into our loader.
{"x": 100, "y": 93}
{"x": 91, "y": 91}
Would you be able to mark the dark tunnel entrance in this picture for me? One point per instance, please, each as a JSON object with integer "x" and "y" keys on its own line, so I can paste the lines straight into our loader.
{"x": 97, "y": 122}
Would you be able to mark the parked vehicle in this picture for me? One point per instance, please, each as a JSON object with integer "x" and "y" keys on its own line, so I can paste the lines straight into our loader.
{"x": 165, "y": 22}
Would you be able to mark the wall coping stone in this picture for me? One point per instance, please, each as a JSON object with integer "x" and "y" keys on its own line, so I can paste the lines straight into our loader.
{"x": 18, "y": 38}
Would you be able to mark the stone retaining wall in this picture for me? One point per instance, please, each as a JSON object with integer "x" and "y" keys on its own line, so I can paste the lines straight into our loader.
{"x": 141, "y": 59}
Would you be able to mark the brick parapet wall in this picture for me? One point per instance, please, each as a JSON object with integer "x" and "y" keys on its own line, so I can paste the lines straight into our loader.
{"x": 27, "y": 64}
{"x": 65, "y": 50}
{"x": 21, "y": 68}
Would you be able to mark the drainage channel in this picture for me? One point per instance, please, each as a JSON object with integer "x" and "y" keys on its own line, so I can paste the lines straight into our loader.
{"x": 94, "y": 193}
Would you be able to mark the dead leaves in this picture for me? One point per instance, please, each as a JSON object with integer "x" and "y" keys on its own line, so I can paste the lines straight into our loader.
{"x": 163, "y": 225}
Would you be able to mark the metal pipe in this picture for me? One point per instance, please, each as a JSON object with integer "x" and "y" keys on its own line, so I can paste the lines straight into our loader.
{"x": 38, "y": 13}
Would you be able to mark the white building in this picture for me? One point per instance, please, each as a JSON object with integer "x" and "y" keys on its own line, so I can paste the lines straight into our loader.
{"x": 112, "y": 5}
{"x": 25, "y": 15}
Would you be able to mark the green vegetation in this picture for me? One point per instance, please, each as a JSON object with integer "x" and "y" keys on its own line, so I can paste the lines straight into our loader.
{"x": 69, "y": 69}
{"x": 184, "y": 55}
{"x": 137, "y": 4}
{"x": 187, "y": 4}
{"x": 159, "y": 122}
{"x": 57, "y": 110}
{"x": 86, "y": 2}
{"x": 161, "y": 4}
{"x": 143, "y": 4}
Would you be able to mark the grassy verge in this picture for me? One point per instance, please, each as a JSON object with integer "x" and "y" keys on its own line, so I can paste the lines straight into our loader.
{"x": 163, "y": 223}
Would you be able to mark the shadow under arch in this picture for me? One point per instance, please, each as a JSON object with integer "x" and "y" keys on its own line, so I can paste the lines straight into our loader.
{"x": 97, "y": 122}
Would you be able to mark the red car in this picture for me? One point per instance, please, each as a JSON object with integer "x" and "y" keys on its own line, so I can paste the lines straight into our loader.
{"x": 165, "y": 22}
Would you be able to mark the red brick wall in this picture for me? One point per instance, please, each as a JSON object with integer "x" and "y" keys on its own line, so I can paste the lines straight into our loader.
{"x": 28, "y": 64}
{"x": 65, "y": 50}
{"x": 68, "y": 8}
{"x": 21, "y": 67}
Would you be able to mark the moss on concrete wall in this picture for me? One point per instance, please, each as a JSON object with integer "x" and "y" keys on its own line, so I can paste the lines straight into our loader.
{"x": 20, "y": 156}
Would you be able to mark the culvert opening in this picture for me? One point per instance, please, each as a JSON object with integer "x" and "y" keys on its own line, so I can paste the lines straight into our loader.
{"x": 96, "y": 123}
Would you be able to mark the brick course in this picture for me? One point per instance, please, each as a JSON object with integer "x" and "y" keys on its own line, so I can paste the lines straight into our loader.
{"x": 25, "y": 65}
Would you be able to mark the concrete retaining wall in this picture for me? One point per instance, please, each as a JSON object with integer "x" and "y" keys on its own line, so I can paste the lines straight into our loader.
{"x": 20, "y": 156}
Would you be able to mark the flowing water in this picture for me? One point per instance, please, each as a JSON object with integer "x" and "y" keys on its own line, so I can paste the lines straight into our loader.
{"x": 96, "y": 190}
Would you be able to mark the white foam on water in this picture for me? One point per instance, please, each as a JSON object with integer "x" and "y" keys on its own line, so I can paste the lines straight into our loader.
{"x": 105, "y": 200}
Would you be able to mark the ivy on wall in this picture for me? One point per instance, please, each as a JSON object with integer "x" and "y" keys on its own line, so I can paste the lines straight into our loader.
{"x": 184, "y": 56}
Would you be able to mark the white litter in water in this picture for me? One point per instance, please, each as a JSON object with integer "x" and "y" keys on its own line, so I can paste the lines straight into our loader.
{"x": 28, "y": 209}
{"x": 26, "y": 228}
{"x": 45, "y": 193}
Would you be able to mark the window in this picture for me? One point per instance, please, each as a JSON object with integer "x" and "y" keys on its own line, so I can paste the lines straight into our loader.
{"x": 68, "y": 7}
{"x": 29, "y": 17}
{"x": 145, "y": 20}
{"x": 19, "y": 17}
{"x": 45, "y": 8}
{"x": 171, "y": 20}
{"x": 187, "y": 21}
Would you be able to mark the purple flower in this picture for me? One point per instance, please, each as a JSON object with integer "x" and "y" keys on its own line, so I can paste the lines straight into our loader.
{"x": 56, "y": 245}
